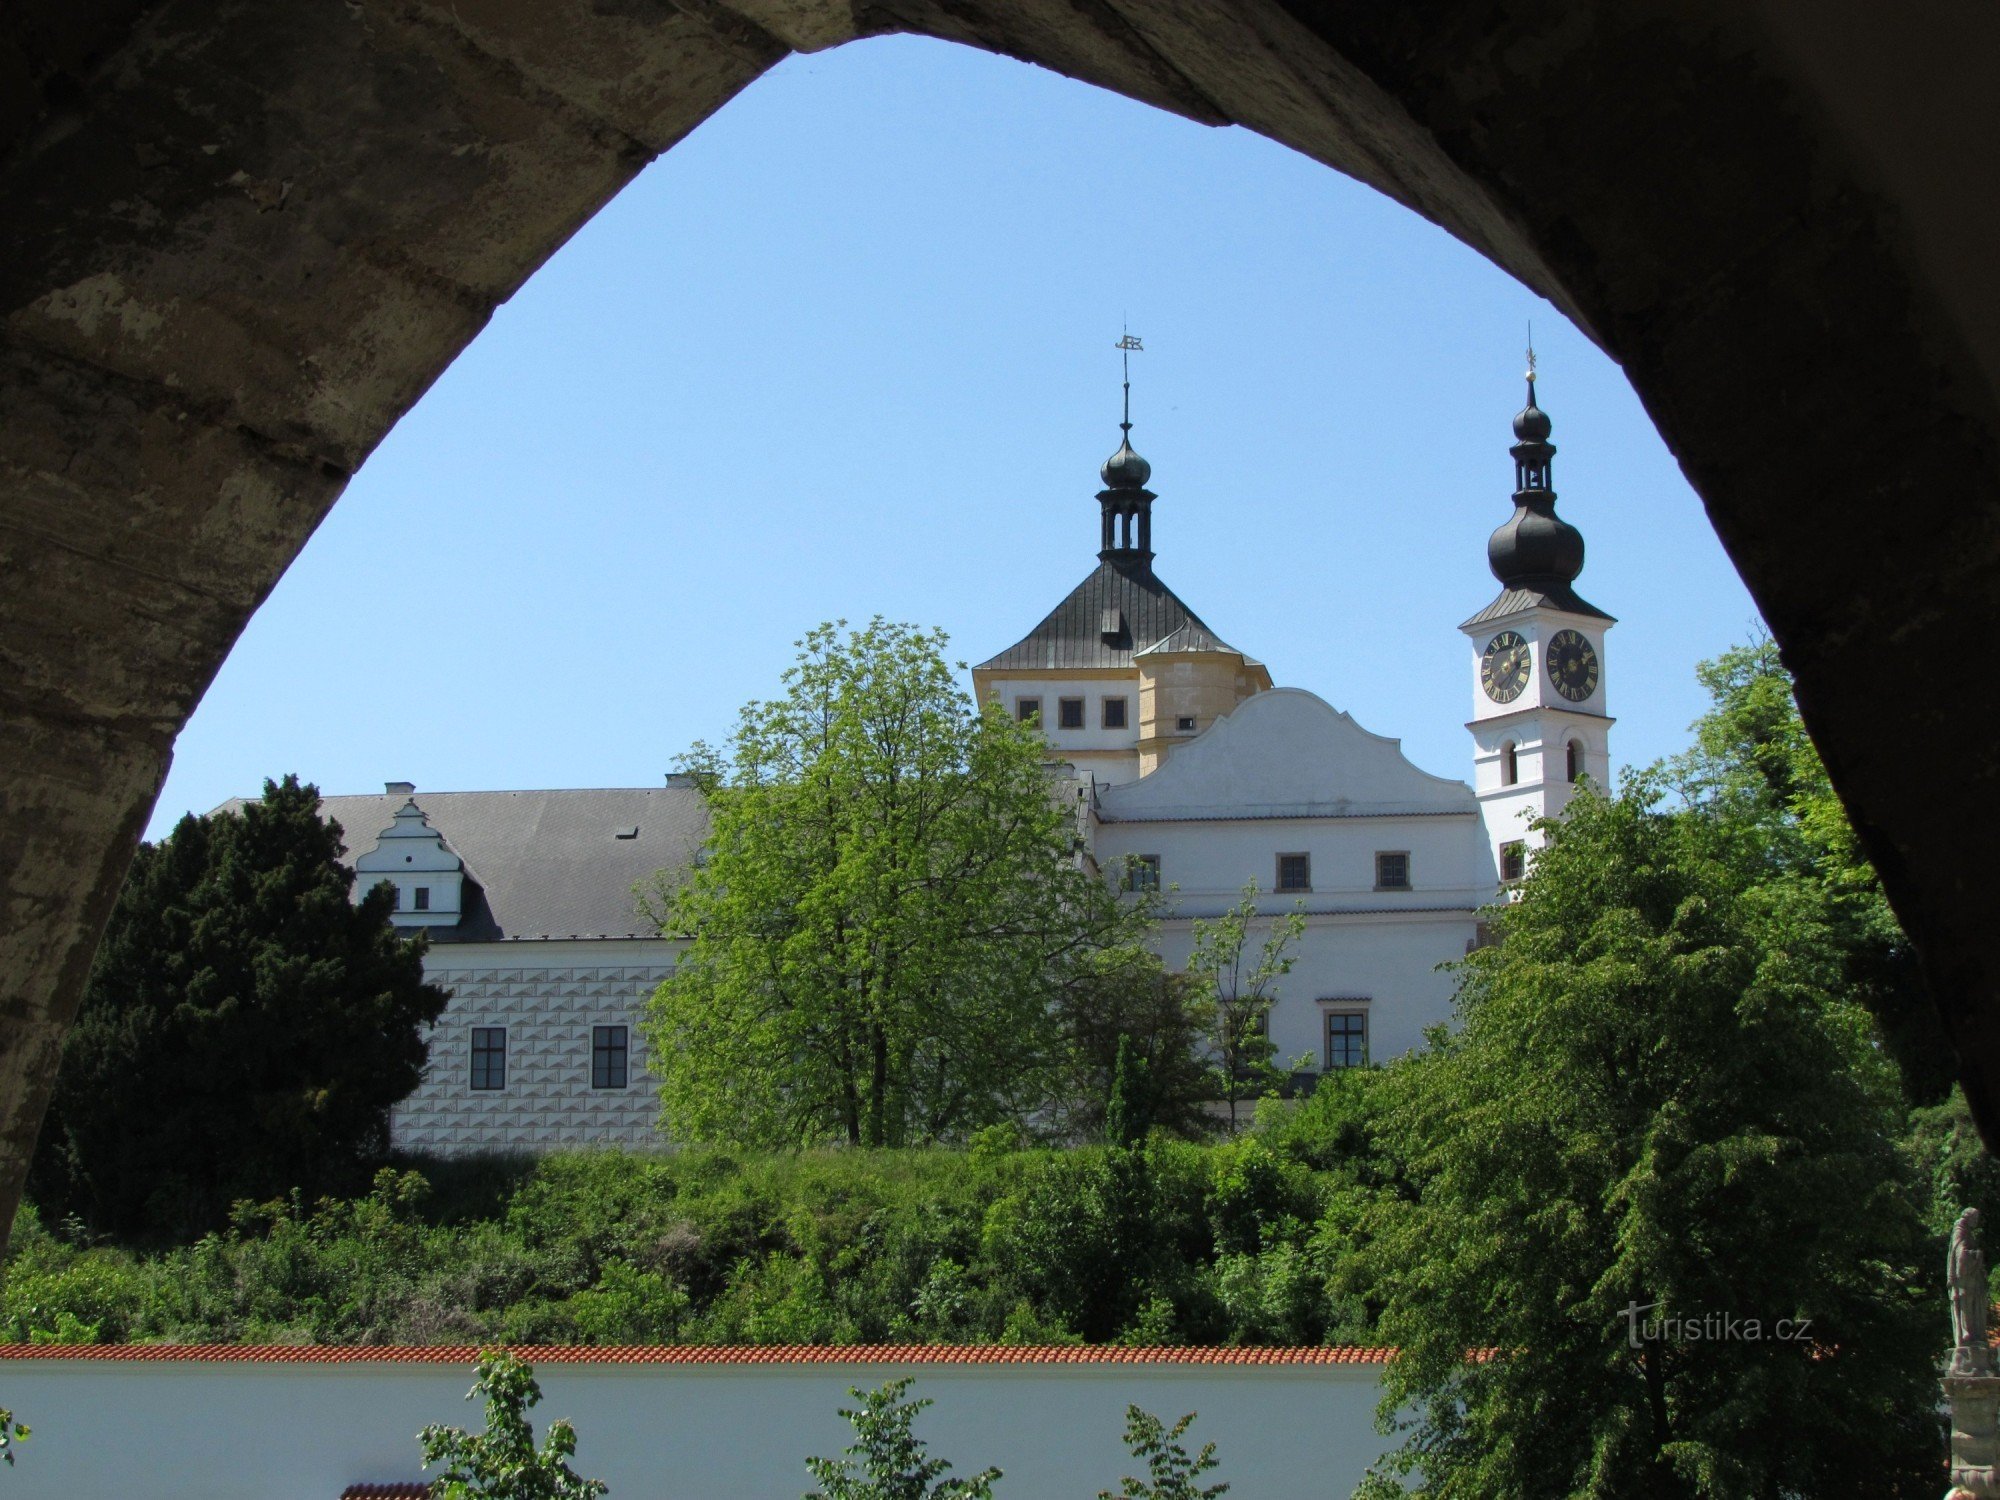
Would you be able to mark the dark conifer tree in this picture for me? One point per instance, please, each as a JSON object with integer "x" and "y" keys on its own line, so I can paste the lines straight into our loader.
{"x": 245, "y": 1029}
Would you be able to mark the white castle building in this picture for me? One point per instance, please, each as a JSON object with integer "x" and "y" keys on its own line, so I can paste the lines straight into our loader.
{"x": 1195, "y": 776}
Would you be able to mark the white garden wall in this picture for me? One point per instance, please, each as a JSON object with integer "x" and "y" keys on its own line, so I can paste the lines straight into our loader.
{"x": 690, "y": 1425}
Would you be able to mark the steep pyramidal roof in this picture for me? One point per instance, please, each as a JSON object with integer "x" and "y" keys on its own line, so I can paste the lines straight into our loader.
{"x": 1120, "y": 610}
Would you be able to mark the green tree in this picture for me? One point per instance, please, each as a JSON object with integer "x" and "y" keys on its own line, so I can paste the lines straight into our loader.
{"x": 892, "y": 1464}
{"x": 1129, "y": 1004}
{"x": 1171, "y": 1473}
{"x": 244, "y": 1031}
{"x": 503, "y": 1463}
{"x": 1663, "y": 1243}
{"x": 886, "y": 916}
{"x": 1753, "y": 770}
{"x": 1238, "y": 983}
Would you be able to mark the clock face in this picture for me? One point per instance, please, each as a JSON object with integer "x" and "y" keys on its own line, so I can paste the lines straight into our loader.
{"x": 1572, "y": 665}
{"x": 1503, "y": 670}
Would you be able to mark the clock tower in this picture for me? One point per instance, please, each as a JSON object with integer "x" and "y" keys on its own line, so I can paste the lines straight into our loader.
{"x": 1539, "y": 720}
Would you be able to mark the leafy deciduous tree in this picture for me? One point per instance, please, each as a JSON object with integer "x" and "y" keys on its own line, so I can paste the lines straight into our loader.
{"x": 1129, "y": 1004}
{"x": 1239, "y": 986}
{"x": 503, "y": 1463}
{"x": 1170, "y": 1473}
{"x": 891, "y": 1461}
{"x": 1657, "y": 1183}
{"x": 245, "y": 1029}
{"x": 888, "y": 911}
{"x": 1756, "y": 774}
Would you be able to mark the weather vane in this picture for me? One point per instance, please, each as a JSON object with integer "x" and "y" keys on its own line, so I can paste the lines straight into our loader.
{"x": 1128, "y": 345}
{"x": 1531, "y": 351}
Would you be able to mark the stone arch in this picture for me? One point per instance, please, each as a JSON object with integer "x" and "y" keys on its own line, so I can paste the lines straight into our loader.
{"x": 240, "y": 241}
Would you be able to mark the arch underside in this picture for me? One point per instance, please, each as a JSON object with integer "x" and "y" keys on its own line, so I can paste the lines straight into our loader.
{"x": 237, "y": 241}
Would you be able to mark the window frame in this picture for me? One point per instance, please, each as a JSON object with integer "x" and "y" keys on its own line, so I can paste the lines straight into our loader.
{"x": 1344, "y": 1010}
{"x": 1104, "y": 712}
{"x": 1278, "y": 885}
{"x": 1510, "y": 763}
{"x": 1574, "y": 761}
{"x": 604, "y": 1051}
{"x": 420, "y": 898}
{"x": 1131, "y": 882}
{"x": 1408, "y": 881}
{"x": 1186, "y": 723}
{"x": 1028, "y": 710}
{"x": 484, "y": 1079}
{"x": 1516, "y": 851}
{"x": 1064, "y": 708}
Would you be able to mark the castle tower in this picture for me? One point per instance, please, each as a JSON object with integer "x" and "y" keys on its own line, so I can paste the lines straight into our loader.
{"x": 1121, "y": 672}
{"x": 1539, "y": 720}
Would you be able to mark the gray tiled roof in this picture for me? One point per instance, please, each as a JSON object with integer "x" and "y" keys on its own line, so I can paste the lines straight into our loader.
{"x": 1558, "y": 596}
{"x": 1120, "y": 609}
{"x": 547, "y": 864}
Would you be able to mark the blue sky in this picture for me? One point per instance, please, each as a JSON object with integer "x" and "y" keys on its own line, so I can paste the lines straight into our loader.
{"x": 847, "y": 351}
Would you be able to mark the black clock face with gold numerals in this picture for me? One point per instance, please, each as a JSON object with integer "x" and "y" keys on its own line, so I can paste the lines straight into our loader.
{"x": 1504, "y": 668}
{"x": 1572, "y": 665}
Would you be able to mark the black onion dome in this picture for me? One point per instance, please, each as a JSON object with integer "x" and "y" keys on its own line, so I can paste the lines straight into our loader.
{"x": 1535, "y": 548}
{"x": 1125, "y": 470}
{"x": 1532, "y": 424}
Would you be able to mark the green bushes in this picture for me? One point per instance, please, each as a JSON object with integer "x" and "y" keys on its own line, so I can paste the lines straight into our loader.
{"x": 1167, "y": 1242}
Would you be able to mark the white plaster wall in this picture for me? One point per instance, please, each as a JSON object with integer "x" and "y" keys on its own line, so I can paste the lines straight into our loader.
{"x": 1389, "y": 961}
{"x": 140, "y": 1430}
{"x": 1112, "y": 753}
{"x": 1210, "y": 860}
{"x": 548, "y": 994}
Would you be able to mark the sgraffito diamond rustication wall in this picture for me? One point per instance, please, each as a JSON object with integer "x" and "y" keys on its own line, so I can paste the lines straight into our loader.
{"x": 547, "y": 1100}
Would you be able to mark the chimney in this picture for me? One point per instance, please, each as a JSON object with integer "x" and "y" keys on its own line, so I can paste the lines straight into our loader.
{"x": 399, "y": 788}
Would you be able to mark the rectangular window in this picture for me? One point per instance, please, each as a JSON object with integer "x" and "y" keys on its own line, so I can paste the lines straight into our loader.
{"x": 1392, "y": 870}
{"x": 1346, "y": 1039}
{"x": 395, "y": 898}
{"x": 423, "y": 895}
{"x": 1513, "y": 861}
{"x": 1069, "y": 713}
{"x": 1114, "y": 713}
{"x": 1295, "y": 872}
{"x": 1142, "y": 872}
{"x": 1028, "y": 710}
{"x": 607, "y": 1057}
{"x": 489, "y": 1057}
{"x": 1184, "y": 724}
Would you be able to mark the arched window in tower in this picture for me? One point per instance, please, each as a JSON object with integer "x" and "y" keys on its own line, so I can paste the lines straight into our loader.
{"x": 1575, "y": 752}
{"x": 1510, "y": 768}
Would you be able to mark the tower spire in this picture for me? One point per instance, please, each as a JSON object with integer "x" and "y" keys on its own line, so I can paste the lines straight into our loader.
{"x": 1535, "y": 548}
{"x": 1127, "y": 505}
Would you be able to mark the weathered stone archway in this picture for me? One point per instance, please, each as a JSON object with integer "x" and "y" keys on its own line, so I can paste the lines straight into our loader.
{"x": 237, "y": 241}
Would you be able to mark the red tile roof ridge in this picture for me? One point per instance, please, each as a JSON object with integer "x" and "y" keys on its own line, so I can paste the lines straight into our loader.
{"x": 703, "y": 1354}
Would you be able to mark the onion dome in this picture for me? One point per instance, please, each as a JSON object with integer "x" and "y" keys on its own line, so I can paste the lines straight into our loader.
{"x": 1126, "y": 470}
{"x": 1534, "y": 548}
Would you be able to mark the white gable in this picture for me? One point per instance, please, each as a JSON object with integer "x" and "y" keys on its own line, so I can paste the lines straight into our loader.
{"x": 1286, "y": 753}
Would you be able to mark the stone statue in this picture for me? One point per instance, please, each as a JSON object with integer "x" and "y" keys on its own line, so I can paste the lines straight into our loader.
{"x": 1965, "y": 1274}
